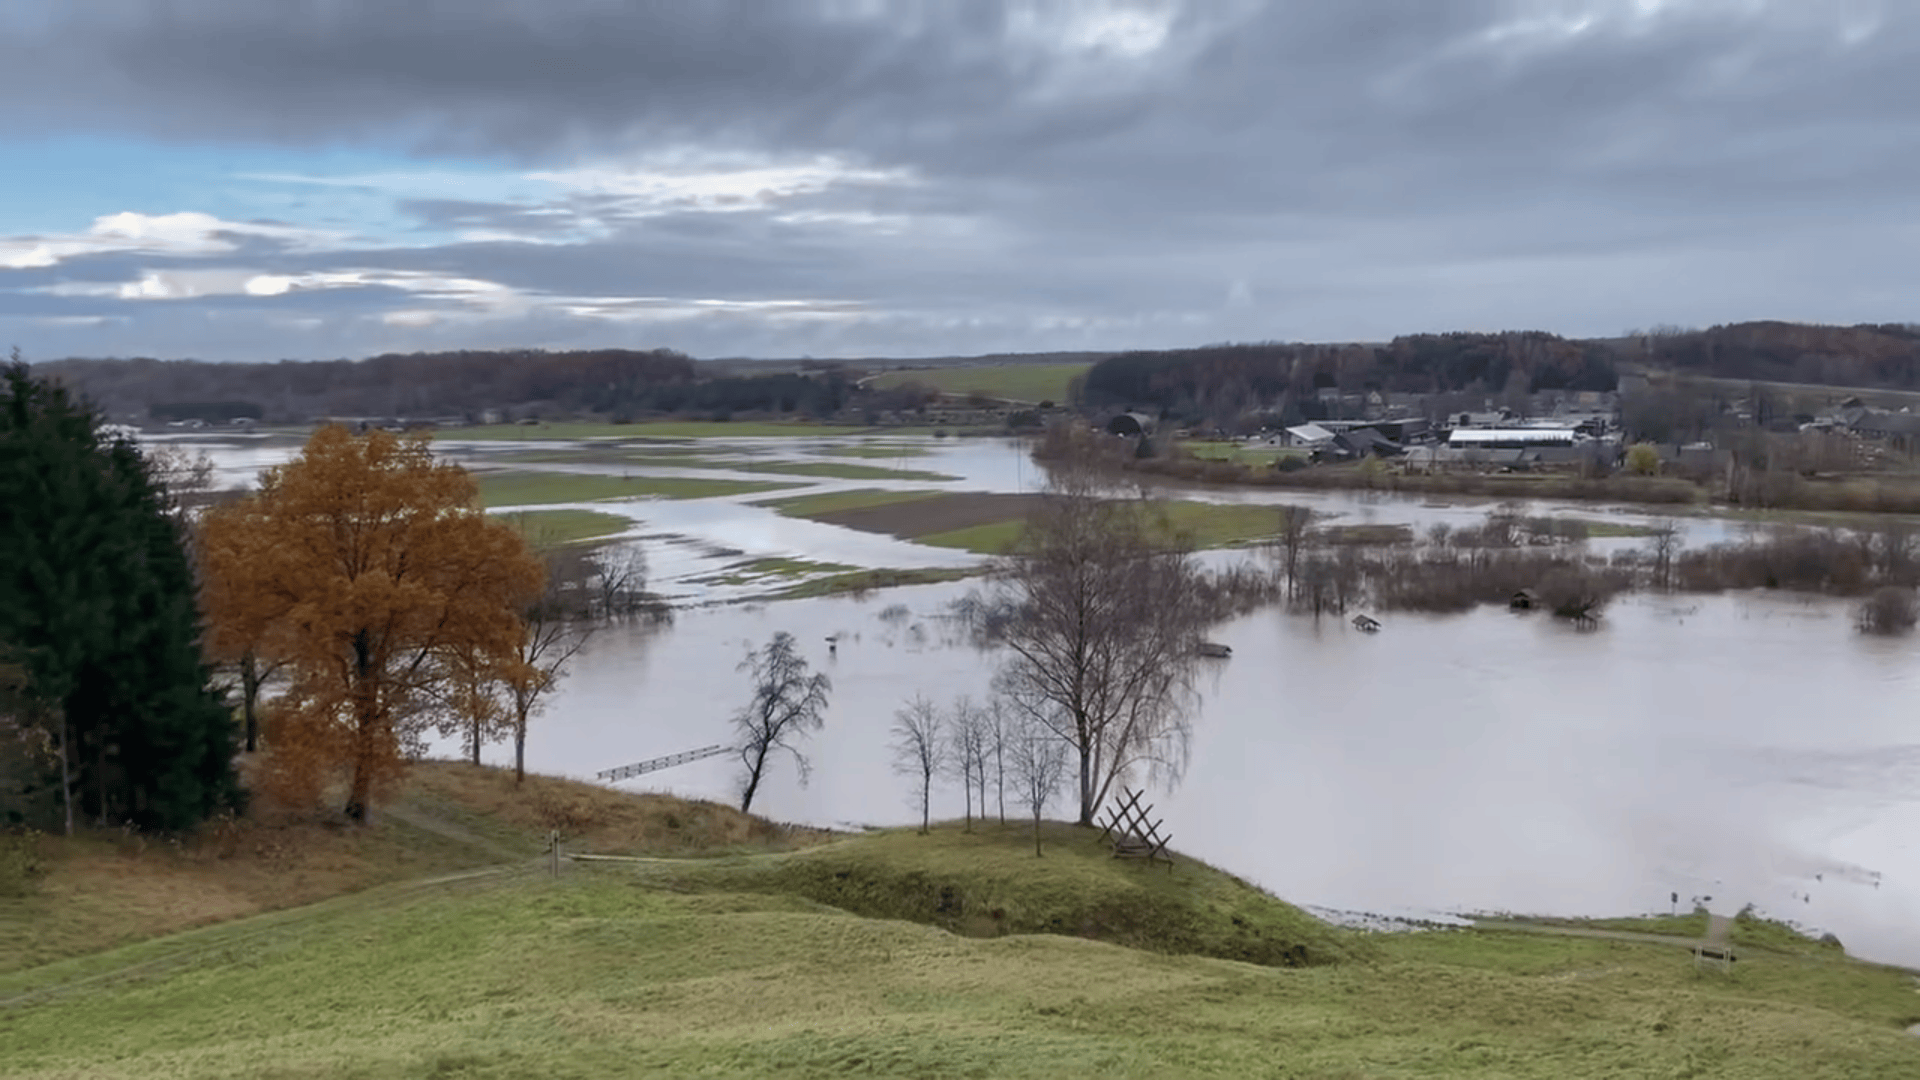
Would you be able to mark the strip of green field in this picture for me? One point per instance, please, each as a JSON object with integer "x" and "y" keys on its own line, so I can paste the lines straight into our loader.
{"x": 1011, "y": 382}
{"x": 671, "y": 429}
{"x": 807, "y": 506}
{"x": 538, "y": 488}
{"x": 841, "y": 470}
{"x": 975, "y": 963}
{"x": 552, "y": 528}
{"x": 1258, "y": 456}
{"x": 1203, "y": 525}
{"x": 992, "y": 539}
{"x": 857, "y": 451}
{"x": 695, "y": 458}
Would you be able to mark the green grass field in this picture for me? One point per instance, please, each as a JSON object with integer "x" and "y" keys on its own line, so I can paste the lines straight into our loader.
{"x": 552, "y": 528}
{"x": 1258, "y": 456}
{"x": 537, "y": 488}
{"x": 875, "y": 451}
{"x": 1205, "y": 525}
{"x": 697, "y": 457}
{"x": 839, "y": 470}
{"x": 949, "y": 955}
{"x": 991, "y": 539}
{"x": 1013, "y": 382}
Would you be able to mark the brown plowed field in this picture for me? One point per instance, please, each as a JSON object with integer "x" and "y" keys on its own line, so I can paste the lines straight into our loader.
{"x": 924, "y": 517}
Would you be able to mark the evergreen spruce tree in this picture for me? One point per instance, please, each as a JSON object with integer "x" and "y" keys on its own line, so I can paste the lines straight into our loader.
{"x": 97, "y": 607}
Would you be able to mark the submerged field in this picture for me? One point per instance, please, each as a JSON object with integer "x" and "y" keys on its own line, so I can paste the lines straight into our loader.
{"x": 531, "y": 488}
{"x": 952, "y": 954}
{"x": 988, "y": 523}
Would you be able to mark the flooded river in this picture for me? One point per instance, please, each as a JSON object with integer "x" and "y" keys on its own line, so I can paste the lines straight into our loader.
{"x": 1744, "y": 748}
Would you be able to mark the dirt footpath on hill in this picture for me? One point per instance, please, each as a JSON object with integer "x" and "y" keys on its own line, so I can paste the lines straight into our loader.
{"x": 924, "y": 517}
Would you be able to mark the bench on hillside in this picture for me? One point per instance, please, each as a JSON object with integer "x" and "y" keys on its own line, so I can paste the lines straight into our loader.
{"x": 1713, "y": 954}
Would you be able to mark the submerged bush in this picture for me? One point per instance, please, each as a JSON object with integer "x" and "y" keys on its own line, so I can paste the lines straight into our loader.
{"x": 1891, "y": 609}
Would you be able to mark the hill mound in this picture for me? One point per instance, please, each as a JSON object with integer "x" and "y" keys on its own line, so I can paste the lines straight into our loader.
{"x": 987, "y": 883}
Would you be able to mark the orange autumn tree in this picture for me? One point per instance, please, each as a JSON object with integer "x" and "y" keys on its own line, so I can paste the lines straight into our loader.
{"x": 364, "y": 566}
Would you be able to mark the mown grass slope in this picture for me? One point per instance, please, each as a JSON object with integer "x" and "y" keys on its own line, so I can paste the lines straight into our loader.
{"x": 603, "y": 973}
{"x": 754, "y": 959}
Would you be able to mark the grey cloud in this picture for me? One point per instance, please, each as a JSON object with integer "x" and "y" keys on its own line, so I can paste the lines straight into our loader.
{"x": 448, "y": 214}
{"x": 1364, "y": 167}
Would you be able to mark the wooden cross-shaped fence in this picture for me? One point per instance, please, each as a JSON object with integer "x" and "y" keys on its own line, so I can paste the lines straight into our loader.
{"x": 1133, "y": 837}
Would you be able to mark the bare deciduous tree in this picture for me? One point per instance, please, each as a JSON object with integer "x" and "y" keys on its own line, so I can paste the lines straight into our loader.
{"x": 1100, "y": 617}
{"x": 1039, "y": 759}
{"x": 967, "y": 753}
{"x": 619, "y": 585}
{"x": 788, "y": 703}
{"x": 1296, "y": 523}
{"x": 919, "y": 749}
{"x": 1666, "y": 538}
{"x": 556, "y": 630}
{"x": 998, "y": 724}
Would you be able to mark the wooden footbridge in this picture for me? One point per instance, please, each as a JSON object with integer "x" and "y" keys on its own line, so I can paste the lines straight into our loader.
{"x": 641, "y": 768}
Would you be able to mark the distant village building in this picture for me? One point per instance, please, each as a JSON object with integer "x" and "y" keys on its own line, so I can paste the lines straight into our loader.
{"x": 1513, "y": 438}
{"x": 1309, "y": 436}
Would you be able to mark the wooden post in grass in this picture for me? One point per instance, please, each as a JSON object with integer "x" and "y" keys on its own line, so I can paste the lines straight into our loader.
{"x": 553, "y": 849}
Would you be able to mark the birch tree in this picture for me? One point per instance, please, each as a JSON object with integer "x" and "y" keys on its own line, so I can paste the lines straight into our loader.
{"x": 789, "y": 703}
{"x": 1099, "y": 610}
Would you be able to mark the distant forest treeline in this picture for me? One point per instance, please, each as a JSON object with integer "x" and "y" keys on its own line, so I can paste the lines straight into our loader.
{"x": 1227, "y": 380}
{"x": 612, "y": 382}
{"x": 1219, "y": 381}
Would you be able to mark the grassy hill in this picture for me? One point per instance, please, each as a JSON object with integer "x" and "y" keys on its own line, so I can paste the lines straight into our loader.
{"x": 740, "y": 948}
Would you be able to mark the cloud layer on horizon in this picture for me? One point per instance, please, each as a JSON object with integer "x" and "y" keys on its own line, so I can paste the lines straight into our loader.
{"x": 861, "y": 177}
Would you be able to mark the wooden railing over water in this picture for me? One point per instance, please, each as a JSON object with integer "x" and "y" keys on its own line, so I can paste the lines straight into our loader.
{"x": 640, "y": 768}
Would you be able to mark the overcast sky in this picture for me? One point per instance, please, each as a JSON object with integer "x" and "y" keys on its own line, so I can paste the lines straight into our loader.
{"x": 233, "y": 179}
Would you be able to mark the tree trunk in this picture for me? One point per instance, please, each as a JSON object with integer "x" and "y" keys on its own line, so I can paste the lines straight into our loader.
{"x": 476, "y": 740}
{"x": 520, "y": 750}
{"x": 66, "y": 775}
{"x": 1000, "y": 776}
{"x": 250, "y": 698}
{"x": 966, "y": 788}
{"x": 100, "y": 779}
{"x": 360, "y": 791}
{"x": 1086, "y": 786}
{"x": 1036, "y": 834}
{"x": 754, "y": 768}
{"x": 926, "y": 800}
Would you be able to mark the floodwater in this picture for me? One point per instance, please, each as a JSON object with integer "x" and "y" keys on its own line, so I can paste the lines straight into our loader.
{"x": 1734, "y": 750}
{"x": 691, "y": 544}
{"x": 1739, "y": 749}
